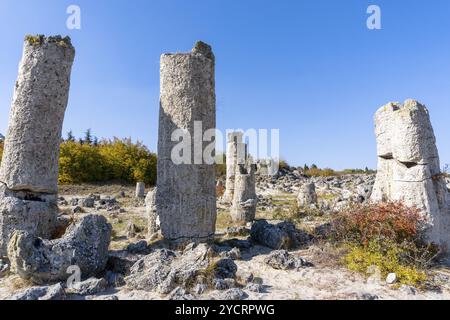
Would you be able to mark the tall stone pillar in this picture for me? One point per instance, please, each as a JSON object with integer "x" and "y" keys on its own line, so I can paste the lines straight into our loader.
{"x": 236, "y": 155}
{"x": 29, "y": 169}
{"x": 244, "y": 198}
{"x": 186, "y": 195}
{"x": 408, "y": 165}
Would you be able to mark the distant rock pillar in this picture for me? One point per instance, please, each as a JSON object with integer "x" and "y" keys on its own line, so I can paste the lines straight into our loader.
{"x": 236, "y": 155}
{"x": 29, "y": 168}
{"x": 140, "y": 190}
{"x": 244, "y": 198}
{"x": 408, "y": 165}
{"x": 186, "y": 194}
{"x": 152, "y": 213}
{"x": 307, "y": 195}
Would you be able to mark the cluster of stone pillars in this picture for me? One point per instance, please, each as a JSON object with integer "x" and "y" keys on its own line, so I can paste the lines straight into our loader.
{"x": 240, "y": 187}
{"x": 29, "y": 168}
{"x": 409, "y": 167}
{"x": 184, "y": 203}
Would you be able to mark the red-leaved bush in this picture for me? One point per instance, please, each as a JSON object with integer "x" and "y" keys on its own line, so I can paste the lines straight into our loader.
{"x": 387, "y": 221}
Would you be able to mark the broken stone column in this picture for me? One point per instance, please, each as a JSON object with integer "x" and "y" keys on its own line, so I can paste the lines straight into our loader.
{"x": 85, "y": 245}
{"x": 236, "y": 155}
{"x": 244, "y": 199}
{"x": 140, "y": 190}
{"x": 307, "y": 195}
{"x": 152, "y": 213}
{"x": 186, "y": 194}
{"x": 29, "y": 168}
{"x": 408, "y": 165}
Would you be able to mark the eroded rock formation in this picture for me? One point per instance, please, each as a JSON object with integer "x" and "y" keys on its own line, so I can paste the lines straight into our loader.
{"x": 152, "y": 213}
{"x": 408, "y": 165}
{"x": 84, "y": 245}
{"x": 186, "y": 195}
{"x": 236, "y": 155}
{"x": 307, "y": 195}
{"x": 29, "y": 168}
{"x": 244, "y": 198}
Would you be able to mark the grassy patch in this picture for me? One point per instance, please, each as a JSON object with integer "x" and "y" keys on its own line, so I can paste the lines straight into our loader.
{"x": 224, "y": 220}
{"x": 387, "y": 260}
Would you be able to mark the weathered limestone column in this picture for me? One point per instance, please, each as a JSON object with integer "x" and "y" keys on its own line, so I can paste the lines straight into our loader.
{"x": 244, "y": 199}
{"x": 152, "y": 213}
{"x": 408, "y": 165}
{"x": 140, "y": 190}
{"x": 186, "y": 195}
{"x": 29, "y": 169}
{"x": 307, "y": 195}
{"x": 236, "y": 154}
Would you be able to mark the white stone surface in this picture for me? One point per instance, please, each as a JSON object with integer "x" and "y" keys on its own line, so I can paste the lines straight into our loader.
{"x": 408, "y": 165}
{"x": 186, "y": 195}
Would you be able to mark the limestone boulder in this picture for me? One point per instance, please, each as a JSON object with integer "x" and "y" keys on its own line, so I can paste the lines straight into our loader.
{"x": 44, "y": 261}
{"x": 281, "y": 235}
{"x": 32, "y": 212}
{"x": 164, "y": 270}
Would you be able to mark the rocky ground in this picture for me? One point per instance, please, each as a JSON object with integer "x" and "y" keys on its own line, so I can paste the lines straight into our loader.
{"x": 242, "y": 263}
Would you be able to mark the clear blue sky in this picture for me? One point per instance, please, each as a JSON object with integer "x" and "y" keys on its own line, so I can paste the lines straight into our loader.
{"x": 310, "y": 68}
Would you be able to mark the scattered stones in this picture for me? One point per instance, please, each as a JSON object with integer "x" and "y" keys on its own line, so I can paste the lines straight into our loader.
{"x": 282, "y": 235}
{"x": 4, "y": 268}
{"x": 391, "y": 278}
{"x": 254, "y": 287}
{"x": 88, "y": 202}
{"x": 133, "y": 230}
{"x": 29, "y": 167}
{"x": 408, "y": 290}
{"x": 88, "y": 287}
{"x": 186, "y": 193}
{"x": 138, "y": 247}
{"x": 43, "y": 261}
{"x": 77, "y": 209}
{"x": 233, "y": 254}
{"x": 239, "y": 231}
{"x": 55, "y": 292}
{"x": 233, "y": 294}
{"x": 114, "y": 279}
{"x": 164, "y": 270}
{"x": 121, "y": 261}
{"x": 180, "y": 294}
{"x": 408, "y": 165}
{"x": 367, "y": 296}
{"x": 283, "y": 260}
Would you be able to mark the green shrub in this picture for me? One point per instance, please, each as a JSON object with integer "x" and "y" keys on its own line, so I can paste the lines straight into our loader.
{"x": 387, "y": 259}
{"x": 316, "y": 172}
{"x": 107, "y": 160}
{"x": 387, "y": 236}
{"x": 283, "y": 165}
